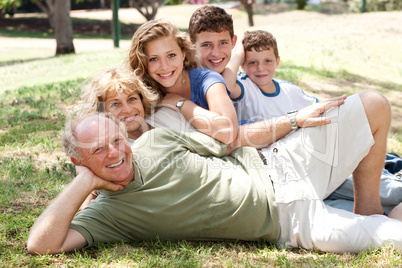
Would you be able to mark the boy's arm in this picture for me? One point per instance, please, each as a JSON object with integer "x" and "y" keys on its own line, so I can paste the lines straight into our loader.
{"x": 51, "y": 232}
{"x": 263, "y": 133}
{"x": 230, "y": 72}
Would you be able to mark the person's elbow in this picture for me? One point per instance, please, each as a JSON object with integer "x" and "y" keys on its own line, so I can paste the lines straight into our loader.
{"x": 227, "y": 135}
{"x": 36, "y": 247}
{"x": 39, "y": 245}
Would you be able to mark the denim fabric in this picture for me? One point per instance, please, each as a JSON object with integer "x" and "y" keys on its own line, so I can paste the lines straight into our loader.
{"x": 393, "y": 163}
{"x": 390, "y": 193}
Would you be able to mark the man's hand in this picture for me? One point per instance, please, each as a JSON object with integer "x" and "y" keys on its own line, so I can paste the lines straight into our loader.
{"x": 97, "y": 183}
{"x": 311, "y": 116}
{"x": 263, "y": 133}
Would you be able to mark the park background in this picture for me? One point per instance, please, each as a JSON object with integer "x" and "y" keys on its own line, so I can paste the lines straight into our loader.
{"x": 327, "y": 49}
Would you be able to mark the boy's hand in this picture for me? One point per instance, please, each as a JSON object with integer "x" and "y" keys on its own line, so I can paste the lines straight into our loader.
{"x": 311, "y": 116}
{"x": 238, "y": 52}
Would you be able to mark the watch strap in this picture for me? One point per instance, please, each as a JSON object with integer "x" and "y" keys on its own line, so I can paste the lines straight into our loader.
{"x": 292, "y": 119}
{"x": 180, "y": 103}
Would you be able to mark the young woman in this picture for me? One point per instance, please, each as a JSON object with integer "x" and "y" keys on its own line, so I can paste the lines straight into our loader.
{"x": 163, "y": 58}
{"x": 120, "y": 92}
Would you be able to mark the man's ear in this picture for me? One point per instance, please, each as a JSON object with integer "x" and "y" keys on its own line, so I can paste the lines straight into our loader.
{"x": 234, "y": 40}
{"x": 75, "y": 161}
{"x": 277, "y": 61}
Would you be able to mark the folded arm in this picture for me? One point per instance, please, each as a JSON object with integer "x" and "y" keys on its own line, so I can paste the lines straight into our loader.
{"x": 219, "y": 122}
{"x": 51, "y": 233}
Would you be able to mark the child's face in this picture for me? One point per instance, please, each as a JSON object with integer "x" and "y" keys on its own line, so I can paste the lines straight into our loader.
{"x": 260, "y": 66}
{"x": 214, "y": 49}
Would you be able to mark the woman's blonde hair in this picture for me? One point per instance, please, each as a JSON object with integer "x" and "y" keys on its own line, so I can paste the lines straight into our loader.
{"x": 151, "y": 31}
{"x": 116, "y": 80}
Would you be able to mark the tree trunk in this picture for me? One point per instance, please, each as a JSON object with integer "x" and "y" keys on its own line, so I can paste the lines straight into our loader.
{"x": 248, "y": 5}
{"x": 63, "y": 28}
{"x": 48, "y": 9}
{"x": 102, "y": 4}
{"x": 147, "y": 8}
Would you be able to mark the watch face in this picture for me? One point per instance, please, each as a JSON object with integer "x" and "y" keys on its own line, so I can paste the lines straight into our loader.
{"x": 179, "y": 104}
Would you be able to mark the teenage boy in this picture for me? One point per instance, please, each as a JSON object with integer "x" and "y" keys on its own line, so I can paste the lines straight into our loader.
{"x": 263, "y": 97}
{"x": 211, "y": 31}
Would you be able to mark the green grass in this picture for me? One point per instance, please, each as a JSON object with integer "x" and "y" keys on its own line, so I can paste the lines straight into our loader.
{"x": 37, "y": 93}
{"x": 36, "y": 72}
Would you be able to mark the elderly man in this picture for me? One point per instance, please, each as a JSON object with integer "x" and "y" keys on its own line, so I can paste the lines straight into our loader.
{"x": 182, "y": 186}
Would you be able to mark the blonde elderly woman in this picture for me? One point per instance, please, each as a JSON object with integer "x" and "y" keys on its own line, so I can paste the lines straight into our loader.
{"x": 120, "y": 92}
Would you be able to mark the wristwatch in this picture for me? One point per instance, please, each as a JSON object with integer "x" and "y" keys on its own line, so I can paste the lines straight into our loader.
{"x": 180, "y": 103}
{"x": 292, "y": 119}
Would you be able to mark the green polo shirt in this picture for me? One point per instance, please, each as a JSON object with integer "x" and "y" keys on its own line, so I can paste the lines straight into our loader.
{"x": 185, "y": 188}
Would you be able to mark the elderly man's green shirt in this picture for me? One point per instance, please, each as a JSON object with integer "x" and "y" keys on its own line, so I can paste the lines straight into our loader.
{"x": 185, "y": 188}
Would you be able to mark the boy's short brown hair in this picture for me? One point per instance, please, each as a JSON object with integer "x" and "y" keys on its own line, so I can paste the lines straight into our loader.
{"x": 260, "y": 40}
{"x": 210, "y": 19}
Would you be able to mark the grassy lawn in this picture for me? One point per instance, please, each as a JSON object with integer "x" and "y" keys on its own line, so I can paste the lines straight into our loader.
{"x": 326, "y": 55}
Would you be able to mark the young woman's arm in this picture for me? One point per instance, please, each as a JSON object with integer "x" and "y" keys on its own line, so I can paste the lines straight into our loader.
{"x": 219, "y": 122}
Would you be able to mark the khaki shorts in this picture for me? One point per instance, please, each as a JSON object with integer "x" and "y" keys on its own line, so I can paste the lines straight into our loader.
{"x": 308, "y": 165}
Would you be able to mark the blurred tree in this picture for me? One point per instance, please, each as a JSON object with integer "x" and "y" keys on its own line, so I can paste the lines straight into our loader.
{"x": 147, "y": 8}
{"x": 8, "y": 7}
{"x": 58, "y": 12}
{"x": 301, "y": 4}
{"x": 63, "y": 27}
{"x": 248, "y": 5}
{"x": 47, "y": 7}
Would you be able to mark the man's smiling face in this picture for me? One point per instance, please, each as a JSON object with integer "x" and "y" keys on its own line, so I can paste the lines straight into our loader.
{"x": 105, "y": 150}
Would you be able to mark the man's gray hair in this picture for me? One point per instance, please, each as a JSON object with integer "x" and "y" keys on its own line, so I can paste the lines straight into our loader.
{"x": 70, "y": 144}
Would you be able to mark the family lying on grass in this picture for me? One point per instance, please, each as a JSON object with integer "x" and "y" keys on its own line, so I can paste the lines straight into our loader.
{"x": 188, "y": 170}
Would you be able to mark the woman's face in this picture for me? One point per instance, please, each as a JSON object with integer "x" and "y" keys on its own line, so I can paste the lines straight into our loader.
{"x": 165, "y": 61}
{"x": 129, "y": 109}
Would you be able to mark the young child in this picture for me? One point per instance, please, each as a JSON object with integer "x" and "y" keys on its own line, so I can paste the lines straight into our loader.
{"x": 260, "y": 95}
{"x": 263, "y": 97}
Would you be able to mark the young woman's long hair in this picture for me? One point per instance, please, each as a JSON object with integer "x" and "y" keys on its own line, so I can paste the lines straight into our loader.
{"x": 151, "y": 31}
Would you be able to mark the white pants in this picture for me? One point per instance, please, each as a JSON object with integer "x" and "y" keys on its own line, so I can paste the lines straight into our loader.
{"x": 307, "y": 166}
